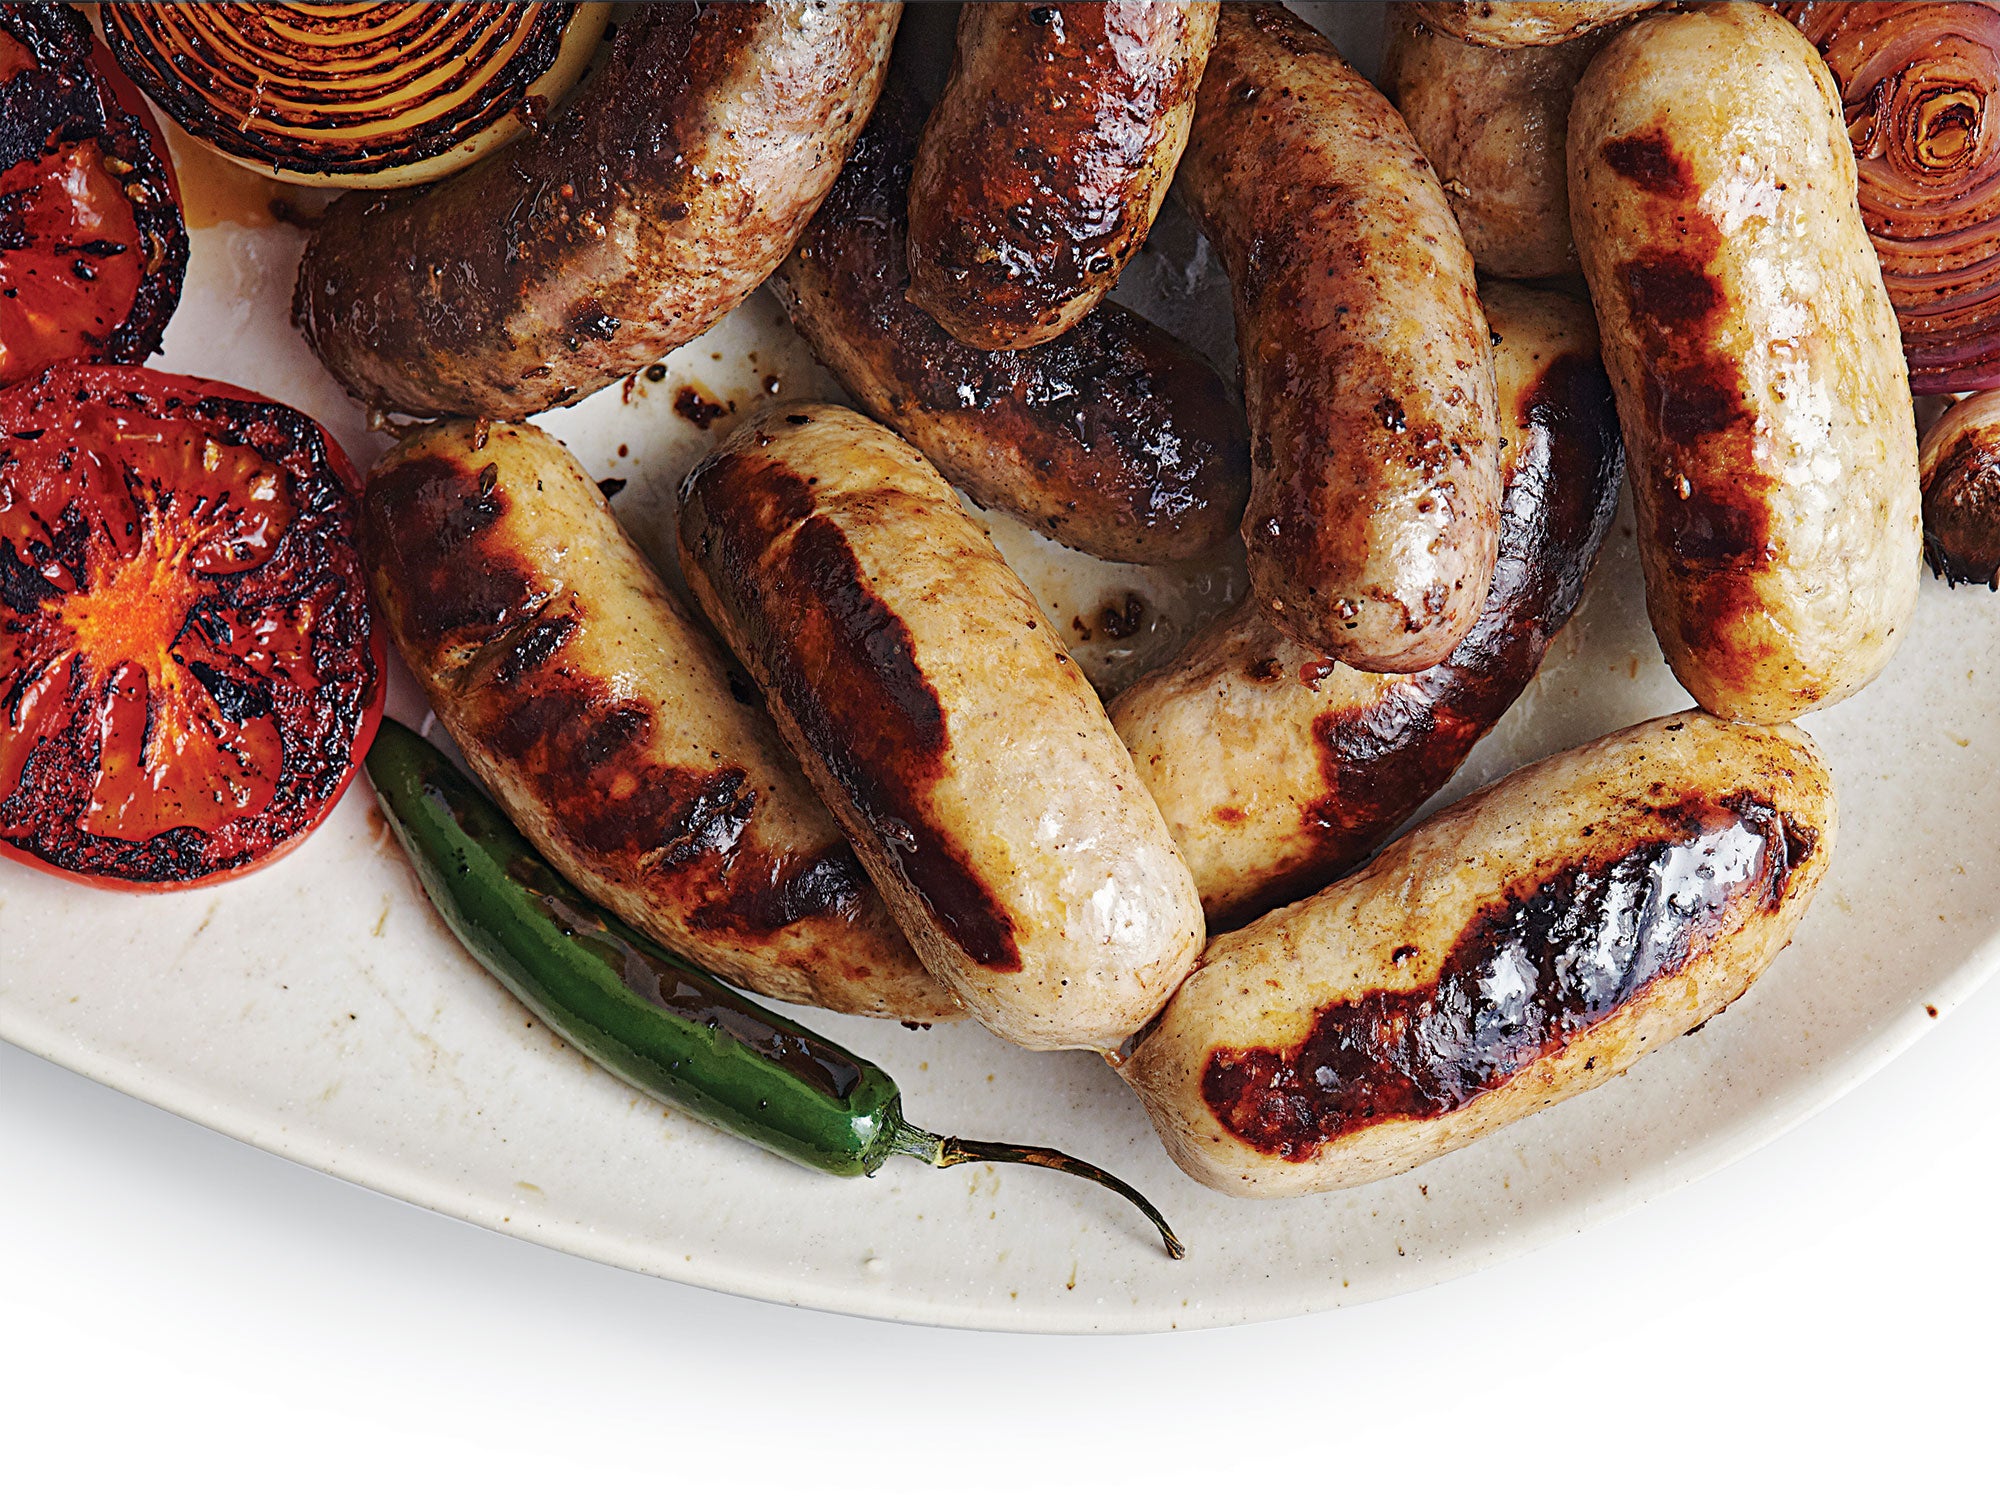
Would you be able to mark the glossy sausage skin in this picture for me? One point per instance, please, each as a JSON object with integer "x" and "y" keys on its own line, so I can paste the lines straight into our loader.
{"x": 1960, "y": 465}
{"x": 1115, "y": 438}
{"x": 1277, "y": 770}
{"x": 656, "y": 199}
{"x": 1374, "y": 433}
{"x": 1524, "y": 945}
{"x": 1756, "y": 358}
{"x": 1524, "y": 23}
{"x": 1492, "y": 121}
{"x": 938, "y": 715}
{"x": 1049, "y": 153}
{"x": 611, "y": 725}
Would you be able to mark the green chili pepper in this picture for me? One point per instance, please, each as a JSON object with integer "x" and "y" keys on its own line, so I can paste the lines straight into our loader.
{"x": 666, "y": 1027}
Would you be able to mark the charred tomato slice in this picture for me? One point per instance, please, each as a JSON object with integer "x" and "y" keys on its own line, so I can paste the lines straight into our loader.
{"x": 92, "y": 246}
{"x": 188, "y": 667}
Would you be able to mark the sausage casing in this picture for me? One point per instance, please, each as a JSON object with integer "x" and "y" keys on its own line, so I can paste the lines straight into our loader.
{"x": 1046, "y": 159}
{"x": 1375, "y": 443}
{"x": 611, "y": 726}
{"x": 1523, "y": 23}
{"x": 1115, "y": 438}
{"x": 1276, "y": 770}
{"x": 1526, "y": 944}
{"x": 939, "y": 716}
{"x": 656, "y": 199}
{"x": 1758, "y": 367}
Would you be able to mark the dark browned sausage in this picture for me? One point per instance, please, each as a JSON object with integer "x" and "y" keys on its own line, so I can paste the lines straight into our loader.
{"x": 1375, "y": 438}
{"x": 1116, "y": 438}
{"x": 1277, "y": 771}
{"x": 658, "y": 198}
{"x": 1046, "y": 159}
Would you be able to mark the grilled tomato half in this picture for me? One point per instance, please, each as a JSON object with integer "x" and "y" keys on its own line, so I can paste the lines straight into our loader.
{"x": 189, "y": 672}
{"x": 92, "y": 246}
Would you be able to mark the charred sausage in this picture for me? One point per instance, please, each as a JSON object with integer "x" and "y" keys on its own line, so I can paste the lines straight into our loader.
{"x": 1759, "y": 370}
{"x": 1527, "y": 944}
{"x": 1960, "y": 465}
{"x": 611, "y": 726}
{"x": 1047, "y": 157}
{"x": 1375, "y": 466}
{"x": 1276, "y": 770}
{"x": 660, "y": 196}
{"x": 1524, "y": 23}
{"x": 1115, "y": 438}
{"x": 938, "y": 715}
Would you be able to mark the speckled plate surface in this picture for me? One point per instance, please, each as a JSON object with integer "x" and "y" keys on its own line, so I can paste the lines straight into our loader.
{"x": 318, "y": 1009}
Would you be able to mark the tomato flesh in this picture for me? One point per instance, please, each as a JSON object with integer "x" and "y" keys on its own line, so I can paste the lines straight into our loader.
{"x": 92, "y": 245}
{"x": 188, "y": 669}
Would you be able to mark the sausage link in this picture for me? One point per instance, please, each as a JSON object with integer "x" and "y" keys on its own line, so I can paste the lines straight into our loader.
{"x": 660, "y": 196}
{"x": 1523, "y": 23}
{"x": 1959, "y": 463}
{"x": 1276, "y": 770}
{"x": 1375, "y": 453}
{"x": 1115, "y": 438}
{"x": 1756, "y": 358}
{"x": 611, "y": 726}
{"x": 1046, "y": 159}
{"x": 938, "y": 715}
{"x": 1526, "y": 944}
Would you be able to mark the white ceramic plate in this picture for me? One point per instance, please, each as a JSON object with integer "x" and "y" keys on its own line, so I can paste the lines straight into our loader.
{"x": 319, "y": 1010}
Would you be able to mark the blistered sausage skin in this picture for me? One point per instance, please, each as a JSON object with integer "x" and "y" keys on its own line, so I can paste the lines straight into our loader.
{"x": 1277, "y": 770}
{"x": 938, "y": 715}
{"x": 1527, "y": 944}
{"x": 1492, "y": 121}
{"x": 1759, "y": 372}
{"x": 1524, "y": 23}
{"x": 655, "y": 200}
{"x": 1115, "y": 438}
{"x": 1374, "y": 433}
{"x": 1046, "y": 159}
{"x": 612, "y": 727}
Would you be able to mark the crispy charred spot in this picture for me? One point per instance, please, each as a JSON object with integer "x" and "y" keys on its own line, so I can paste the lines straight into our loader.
{"x": 427, "y": 525}
{"x": 535, "y": 645}
{"x": 1649, "y": 160}
{"x": 1672, "y": 288}
{"x": 844, "y": 666}
{"x": 1961, "y": 513}
{"x": 1530, "y": 975}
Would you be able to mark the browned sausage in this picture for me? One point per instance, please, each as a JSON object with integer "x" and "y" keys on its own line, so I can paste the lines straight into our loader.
{"x": 1524, "y": 23}
{"x": 1047, "y": 157}
{"x": 1115, "y": 438}
{"x": 611, "y": 725}
{"x": 660, "y": 196}
{"x": 1277, "y": 771}
{"x": 1375, "y": 441}
{"x": 1960, "y": 465}
{"x": 1527, "y": 944}
{"x": 937, "y": 713}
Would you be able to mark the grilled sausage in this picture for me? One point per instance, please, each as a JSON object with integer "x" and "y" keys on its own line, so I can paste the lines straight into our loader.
{"x": 660, "y": 196}
{"x": 938, "y": 715}
{"x": 1492, "y": 120}
{"x": 1524, "y": 23}
{"x": 1375, "y": 467}
{"x": 611, "y": 726}
{"x": 1277, "y": 771}
{"x": 1047, "y": 157}
{"x": 1756, "y": 358}
{"x": 1527, "y": 944}
{"x": 1960, "y": 465}
{"x": 1115, "y": 438}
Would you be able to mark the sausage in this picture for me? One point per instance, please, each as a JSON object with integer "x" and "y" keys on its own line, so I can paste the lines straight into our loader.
{"x": 1375, "y": 469}
{"x": 611, "y": 725}
{"x": 1759, "y": 372}
{"x": 1524, "y": 945}
{"x": 938, "y": 715}
{"x": 1046, "y": 158}
{"x": 1959, "y": 463}
{"x": 1492, "y": 121}
{"x": 1276, "y": 770}
{"x": 660, "y": 196}
{"x": 1115, "y": 438}
{"x": 1523, "y": 23}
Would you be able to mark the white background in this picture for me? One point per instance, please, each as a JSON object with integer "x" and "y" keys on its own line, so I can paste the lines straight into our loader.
{"x": 181, "y": 1314}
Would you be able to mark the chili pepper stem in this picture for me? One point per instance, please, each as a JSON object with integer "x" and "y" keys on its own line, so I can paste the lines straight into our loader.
{"x": 950, "y": 1151}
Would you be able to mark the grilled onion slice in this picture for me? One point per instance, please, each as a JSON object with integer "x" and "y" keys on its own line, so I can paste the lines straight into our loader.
{"x": 354, "y": 95}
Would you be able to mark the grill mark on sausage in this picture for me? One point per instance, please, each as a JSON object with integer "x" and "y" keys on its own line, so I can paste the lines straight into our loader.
{"x": 1531, "y": 973}
{"x": 1961, "y": 514}
{"x": 844, "y": 666}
